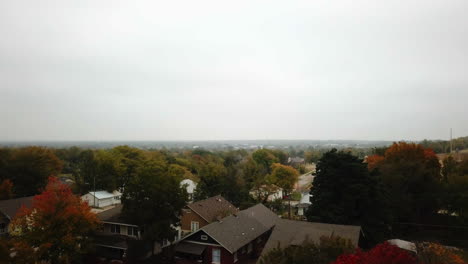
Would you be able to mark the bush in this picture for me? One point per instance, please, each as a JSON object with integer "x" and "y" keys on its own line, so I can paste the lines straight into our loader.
{"x": 432, "y": 253}
{"x": 327, "y": 250}
{"x": 381, "y": 254}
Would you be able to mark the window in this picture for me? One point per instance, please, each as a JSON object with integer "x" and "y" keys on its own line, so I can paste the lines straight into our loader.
{"x": 249, "y": 248}
{"x": 216, "y": 255}
{"x": 2, "y": 228}
{"x": 132, "y": 231}
{"x": 115, "y": 229}
{"x": 194, "y": 226}
{"x": 203, "y": 237}
{"x": 235, "y": 256}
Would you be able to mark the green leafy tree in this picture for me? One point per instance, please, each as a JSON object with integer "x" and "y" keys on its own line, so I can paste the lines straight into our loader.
{"x": 265, "y": 158}
{"x": 153, "y": 200}
{"x": 344, "y": 192}
{"x": 130, "y": 159}
{"x": 30, "y": 168}
{"x": 212, "y": 181}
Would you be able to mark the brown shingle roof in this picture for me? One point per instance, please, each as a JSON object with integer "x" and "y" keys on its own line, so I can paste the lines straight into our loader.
{"x": 213, "y": 208}
{"x": 11, "y": 207}
{"x": 290, "y": 232}
{"x": 113, "y": 215}
{"x": 236, "y": 231}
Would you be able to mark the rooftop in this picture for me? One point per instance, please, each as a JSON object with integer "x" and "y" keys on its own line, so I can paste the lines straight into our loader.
{"x": 11, "y": 207}
{"x": 113, "y": 215}
{"x": 213, "y": 208}
{"x": 105, "y": 194}
{"x": 235, "y": 231}
{"x": 290, "y": 232}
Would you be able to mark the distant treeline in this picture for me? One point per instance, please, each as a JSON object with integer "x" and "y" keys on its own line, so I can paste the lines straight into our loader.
{"x": 443, "y": 146}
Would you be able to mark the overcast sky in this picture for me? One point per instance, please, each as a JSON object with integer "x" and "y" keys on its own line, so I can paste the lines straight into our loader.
{"x": 202, "y": 70}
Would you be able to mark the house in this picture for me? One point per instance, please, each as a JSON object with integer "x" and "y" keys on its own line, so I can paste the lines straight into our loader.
{"x": 296, "y": 161}
{"x": 234, "y": 238}
{"x": 8, "y": 210}
{"x": 199, "y": 214}
{"x": 190, "y": 186}
{"x": 117, "y": 234}
{"x": 294, "y": 233}
{"x": 303, "y": 204}
{"x": 102, "y": 199}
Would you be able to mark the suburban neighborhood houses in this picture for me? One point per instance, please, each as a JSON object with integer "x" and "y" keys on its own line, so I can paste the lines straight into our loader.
{"x": 222, "y": 208}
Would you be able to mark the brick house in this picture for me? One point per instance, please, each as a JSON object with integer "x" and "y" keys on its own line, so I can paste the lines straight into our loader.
{"x": 199, "y": 214}
{"x": 8, "y": 210}
{"x": 235, "y": 238}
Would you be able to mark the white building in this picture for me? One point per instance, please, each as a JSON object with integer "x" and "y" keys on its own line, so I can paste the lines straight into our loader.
{"x": 102, "y": 199}
{"x": 190, "y": 187}
{"x": 303, "y": 204}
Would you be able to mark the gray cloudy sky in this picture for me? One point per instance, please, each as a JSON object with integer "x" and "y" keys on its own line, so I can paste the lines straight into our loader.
{"x": 170, "y": 70}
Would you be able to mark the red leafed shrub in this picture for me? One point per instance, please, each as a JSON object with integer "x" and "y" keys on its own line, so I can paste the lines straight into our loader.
{"x": 381, "y": 254}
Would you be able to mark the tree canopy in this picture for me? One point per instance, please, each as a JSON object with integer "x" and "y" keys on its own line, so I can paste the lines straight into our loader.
{"x": 58, "y": 224}
{"x": 344, "y": 192}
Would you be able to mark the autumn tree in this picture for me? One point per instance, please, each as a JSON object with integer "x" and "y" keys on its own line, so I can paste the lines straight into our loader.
{"x": 30, "y": 168}
{"x": 59, "y": 223}
{"x": 153, "y": 200}
{"x": 411, "y": 175}
{"x": 381, "y": 254}
{"x": 344, "y": 192}
{"x": 284, "y": 177}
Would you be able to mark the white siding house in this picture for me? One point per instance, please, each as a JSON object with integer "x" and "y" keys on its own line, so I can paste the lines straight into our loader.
{"x": 102, "y": 199}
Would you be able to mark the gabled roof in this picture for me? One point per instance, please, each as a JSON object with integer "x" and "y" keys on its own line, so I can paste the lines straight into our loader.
{"x": 10, "y": 207}
{"x": 113, "y": 215}
{"x": 290, "y": 232}
{"x": 104, "y": 194}
{"x": 213, "y": 208}
{"x": 236, "y": 231}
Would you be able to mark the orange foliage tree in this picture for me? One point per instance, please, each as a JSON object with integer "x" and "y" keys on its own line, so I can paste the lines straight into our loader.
{"x": 59, "y": 223}
{"x": 411, "y": 175}
{"x": 433, "y": 253}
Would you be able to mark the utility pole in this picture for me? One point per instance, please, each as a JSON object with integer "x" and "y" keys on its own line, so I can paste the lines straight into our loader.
{"x": 451, "y": 145}
{"x": 94, "y": 187}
